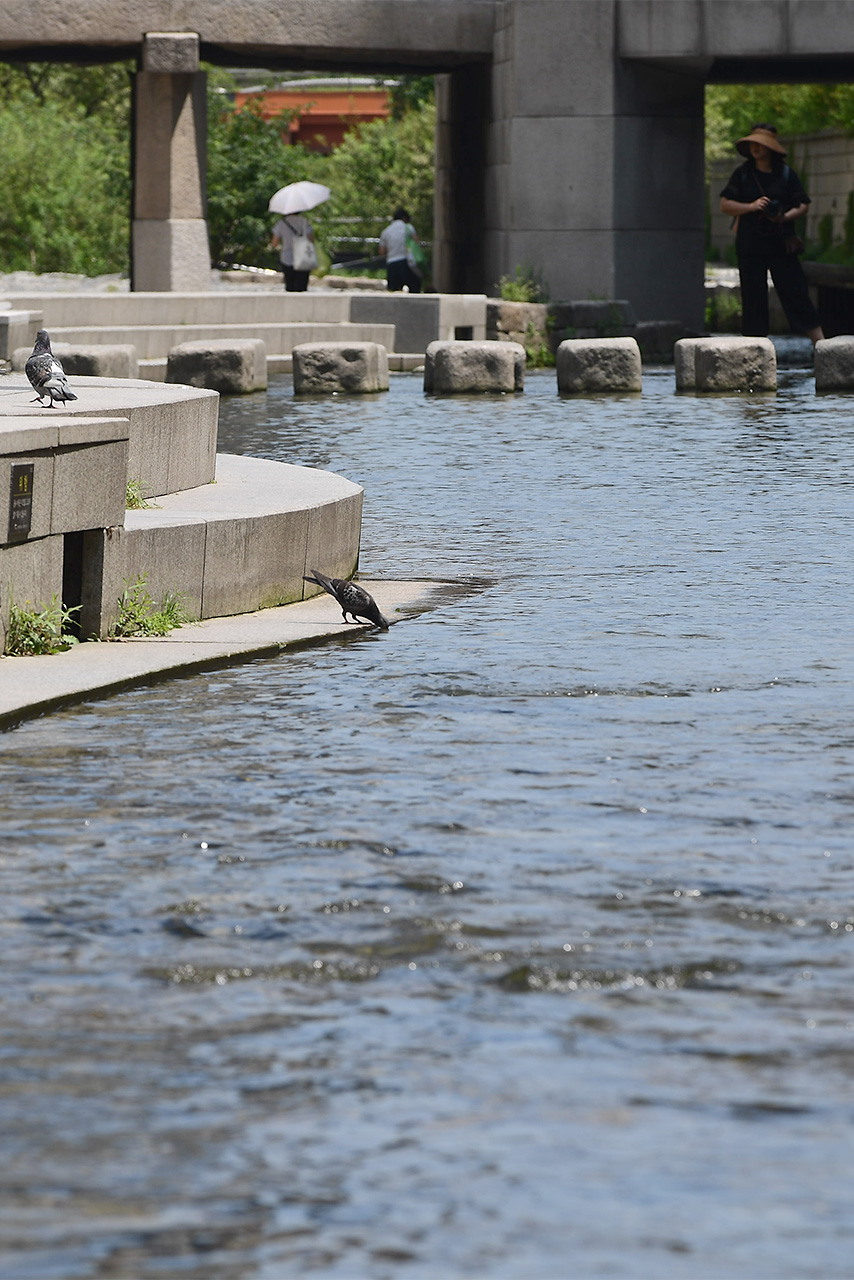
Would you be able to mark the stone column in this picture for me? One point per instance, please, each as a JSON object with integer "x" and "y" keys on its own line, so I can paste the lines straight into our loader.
{"x": 169, "y": 237}
{"x": 595, "y": 162}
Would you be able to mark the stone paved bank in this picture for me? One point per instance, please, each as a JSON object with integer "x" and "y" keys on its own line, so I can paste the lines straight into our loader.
{"x": 229, "y": 534}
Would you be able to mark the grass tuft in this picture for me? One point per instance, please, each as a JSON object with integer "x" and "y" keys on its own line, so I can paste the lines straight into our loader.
{"x": 134, "y": 499}
{"x": 139, "y": 614}
{"x": 39, "y": 631}
{"x": 527, "y": 285}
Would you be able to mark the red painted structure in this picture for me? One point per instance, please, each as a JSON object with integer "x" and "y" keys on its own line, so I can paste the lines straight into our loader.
{"x": 325, "y": 111}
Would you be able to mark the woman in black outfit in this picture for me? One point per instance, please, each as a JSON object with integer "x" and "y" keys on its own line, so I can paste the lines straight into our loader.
{"x": 766, "y": 196}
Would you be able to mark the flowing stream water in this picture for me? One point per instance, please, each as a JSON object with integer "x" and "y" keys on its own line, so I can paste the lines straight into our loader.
{"x": 516, "y": 943}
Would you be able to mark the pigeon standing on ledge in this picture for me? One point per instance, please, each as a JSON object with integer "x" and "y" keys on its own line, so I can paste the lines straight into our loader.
{"x": 352, "y": 598}
{"x": 46, "y": 373}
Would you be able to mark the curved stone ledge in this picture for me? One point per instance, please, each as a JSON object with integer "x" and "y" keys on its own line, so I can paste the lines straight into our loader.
{"x": 171, "y": 428}
{"x": 34, "y": 686}
{"x": 241, "y": 544}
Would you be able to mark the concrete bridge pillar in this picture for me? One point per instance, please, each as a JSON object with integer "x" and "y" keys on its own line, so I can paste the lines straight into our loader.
{"x": 595, "y": 162}
{"x": 169, "y": 249}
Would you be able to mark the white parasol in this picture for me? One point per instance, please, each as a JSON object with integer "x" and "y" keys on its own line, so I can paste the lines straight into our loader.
{"x": 298, "y": 197}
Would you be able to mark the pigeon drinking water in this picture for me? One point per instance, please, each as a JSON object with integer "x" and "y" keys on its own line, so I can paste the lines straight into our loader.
{"x": 46, "y": 373}
{"x": 352, "y": 598}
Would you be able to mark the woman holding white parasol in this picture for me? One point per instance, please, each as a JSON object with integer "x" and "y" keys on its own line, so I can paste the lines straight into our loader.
{"x": 292, "y": 234}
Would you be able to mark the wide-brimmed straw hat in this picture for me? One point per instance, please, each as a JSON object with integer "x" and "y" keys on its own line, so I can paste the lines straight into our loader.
{"x": 760, "y": 133}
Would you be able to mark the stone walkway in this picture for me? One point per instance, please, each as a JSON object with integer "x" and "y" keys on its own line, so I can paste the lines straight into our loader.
{"x": 33, "y": 686}
{"x": 62, "y": 282}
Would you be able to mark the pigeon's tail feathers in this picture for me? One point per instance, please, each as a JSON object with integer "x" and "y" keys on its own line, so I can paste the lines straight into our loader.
{"x": 320, "y": 580}
{"x": 56, "y": 386}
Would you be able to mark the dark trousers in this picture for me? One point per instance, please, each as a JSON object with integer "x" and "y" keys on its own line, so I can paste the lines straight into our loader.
{"x": 295, "y": 281}
{"x": 791, "y": 285}
{"x": 399, "y": 274}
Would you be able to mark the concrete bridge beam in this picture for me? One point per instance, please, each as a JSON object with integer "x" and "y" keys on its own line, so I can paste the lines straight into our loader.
{"x": 169, "y": 238}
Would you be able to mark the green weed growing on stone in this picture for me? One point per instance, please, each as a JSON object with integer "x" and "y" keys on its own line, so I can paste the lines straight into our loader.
{"x": 134, "y": 499}
{"x": 39, "y": 631}
{"x": 538, "y": 349}
{"x": 526, "y": 286}
{"x": 139, "y": 614}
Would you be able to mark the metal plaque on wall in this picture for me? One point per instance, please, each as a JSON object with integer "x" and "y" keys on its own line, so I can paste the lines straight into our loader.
{"x": 21, "y": 500}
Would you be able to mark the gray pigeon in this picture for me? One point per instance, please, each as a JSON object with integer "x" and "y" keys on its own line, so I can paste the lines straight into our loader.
{"x": 352, "y": 598}
{"x": 46, "y": 373}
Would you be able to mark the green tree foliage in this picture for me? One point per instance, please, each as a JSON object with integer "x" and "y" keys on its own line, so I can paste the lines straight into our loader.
{"x": 248, "y": 159}
{"x": 731, "y": 110}
{"x": 410, "y": 93}
{"x": 65, "y": 168}
{"x": 377, "y": 167}
{"x": 101, "y": 93}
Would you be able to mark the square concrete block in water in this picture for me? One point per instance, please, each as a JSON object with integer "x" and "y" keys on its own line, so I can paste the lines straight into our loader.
{"x": 684, "y": 351}
{"x": 473, "y": 368}
{"x": 329, "y": 368}
{"x": 735, "y": 364}
{"x": 834, "y": 364}
{"x": 586, "y": 365}
{"x": 232, "y": 366}
{"x": 683, "y": 362}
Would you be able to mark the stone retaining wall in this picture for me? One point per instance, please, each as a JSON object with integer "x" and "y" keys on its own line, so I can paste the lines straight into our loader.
{"x": 58, "y": 477}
